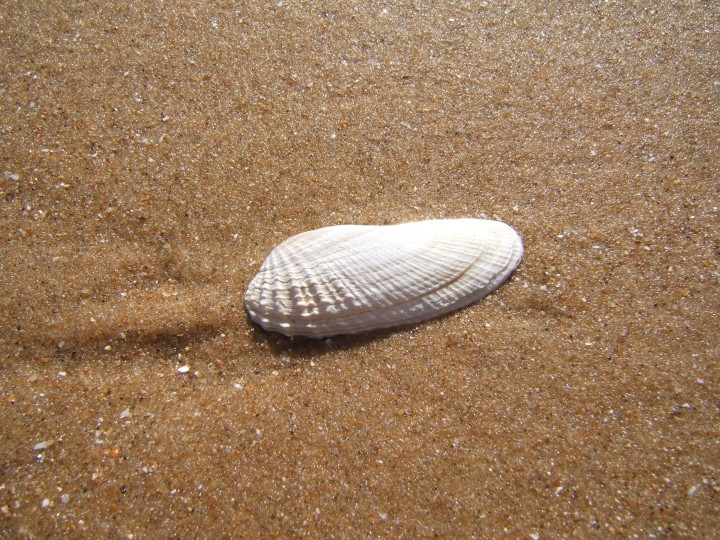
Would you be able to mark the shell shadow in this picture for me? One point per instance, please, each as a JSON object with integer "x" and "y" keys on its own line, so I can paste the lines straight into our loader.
{"x": 300, "y": 347}
{"x": 292, "y": 351}
{"x": 161, "y": 343}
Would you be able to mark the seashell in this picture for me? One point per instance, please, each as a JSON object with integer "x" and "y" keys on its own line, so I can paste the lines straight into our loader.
{"x": 354, "y": 278}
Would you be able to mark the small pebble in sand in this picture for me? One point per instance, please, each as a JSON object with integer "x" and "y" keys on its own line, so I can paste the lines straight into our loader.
{"x": 183, "y": 369}
{"x": 43, "y": 445}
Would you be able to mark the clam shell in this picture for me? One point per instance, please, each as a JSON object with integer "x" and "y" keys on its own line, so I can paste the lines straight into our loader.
{"x": 353, "y": 278}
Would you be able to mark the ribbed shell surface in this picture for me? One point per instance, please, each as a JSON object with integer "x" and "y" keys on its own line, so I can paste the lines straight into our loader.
{"x": 353, "y": 278}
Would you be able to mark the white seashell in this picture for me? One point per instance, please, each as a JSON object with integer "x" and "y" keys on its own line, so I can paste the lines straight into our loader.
{"x": 353, "y": 278}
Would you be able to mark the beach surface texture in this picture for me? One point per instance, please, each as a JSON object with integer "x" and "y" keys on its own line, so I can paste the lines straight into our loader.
{"x": 153, "y": 153}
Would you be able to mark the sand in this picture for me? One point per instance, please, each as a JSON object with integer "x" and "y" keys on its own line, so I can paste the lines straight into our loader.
{"x": 153, "y": 153}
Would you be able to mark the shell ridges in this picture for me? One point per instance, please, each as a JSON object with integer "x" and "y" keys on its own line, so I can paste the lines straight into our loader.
{"x": 354, "y": 278}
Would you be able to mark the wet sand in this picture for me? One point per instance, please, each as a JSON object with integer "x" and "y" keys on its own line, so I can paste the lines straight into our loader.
{"x": 154, "y": 153}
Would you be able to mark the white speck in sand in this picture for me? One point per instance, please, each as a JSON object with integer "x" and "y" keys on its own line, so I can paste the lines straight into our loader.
{"x": 183, "y": 369}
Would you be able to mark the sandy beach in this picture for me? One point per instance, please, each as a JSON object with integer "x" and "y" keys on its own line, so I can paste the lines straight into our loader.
{"x": 153, "y": 153}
